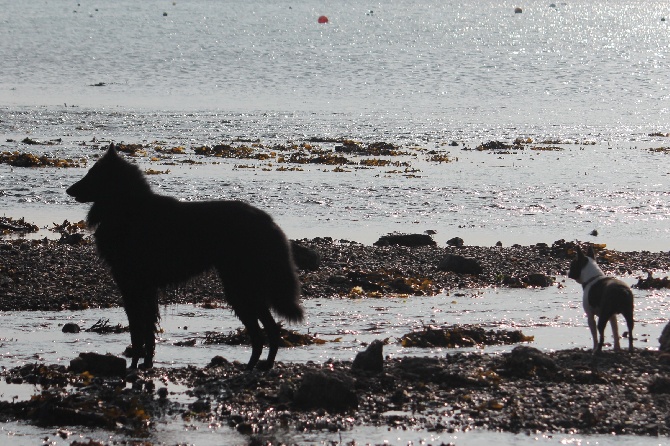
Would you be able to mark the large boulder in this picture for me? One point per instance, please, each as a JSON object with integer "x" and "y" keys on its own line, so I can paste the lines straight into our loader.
{"x": 665, "y": 339}
{"x": 409, "y": 240}
{"x": 305, "y": 258}
{"x": 460, "y": 264}
{"x": 371, "y": 359}
{"x": 97, "y": 364}
{"x": 525, "y": 362}
{"x": 329, "y": 390}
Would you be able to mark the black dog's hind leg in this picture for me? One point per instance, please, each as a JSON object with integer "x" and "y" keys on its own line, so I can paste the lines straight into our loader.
{"x": 602, "y": 323}
{"x": 255, "y": 334}
{"x": 615, "y": 332}
{"x": 630, "y": 323}
{"x": 273, "y": 335}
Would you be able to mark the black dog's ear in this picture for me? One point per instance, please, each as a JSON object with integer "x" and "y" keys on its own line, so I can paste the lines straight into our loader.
{"x": 578, "y": 250}
{"x": 591, "y": 253}
{"x": 112, "y": 152}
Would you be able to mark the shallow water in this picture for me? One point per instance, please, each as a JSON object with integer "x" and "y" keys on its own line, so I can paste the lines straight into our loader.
{"x": 552, "y": 315}
{"x": 208, "y": 435}
{"x": 522, "y": 197}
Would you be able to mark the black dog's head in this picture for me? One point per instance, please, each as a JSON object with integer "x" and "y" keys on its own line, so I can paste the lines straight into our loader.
{"x": 110, "y": 178}
{"x": 580, "y": 262}
{"x": 98, "y": 180}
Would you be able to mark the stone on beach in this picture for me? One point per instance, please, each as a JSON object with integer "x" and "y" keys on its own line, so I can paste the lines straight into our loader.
{"x": 326, "y": 390}
{"x": 410, "y": 240}
{"x": 525, "y": 361}
{"x": 460, "y": 264}
{"x": 97, "y": 364}
{"x": 305, "y": 258}
{"x": 371, "y": 359}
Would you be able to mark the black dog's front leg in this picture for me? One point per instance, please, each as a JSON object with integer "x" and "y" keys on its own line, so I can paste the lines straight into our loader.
{"x": 136, "y": 338}
{"x": 149, "y": 346}
{"x": 141, "y": 308}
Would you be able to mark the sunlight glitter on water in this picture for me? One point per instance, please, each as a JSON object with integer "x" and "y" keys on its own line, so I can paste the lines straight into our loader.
{"x": 521, "y": 197}
{"x": 552, "y": 315}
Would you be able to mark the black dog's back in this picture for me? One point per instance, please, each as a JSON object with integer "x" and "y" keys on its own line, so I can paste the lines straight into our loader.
{"x": 150, "y": 241}
{"x": 172, "y": 241}
{"x": 610, "y": 297}
{"x": 611, "y": 293}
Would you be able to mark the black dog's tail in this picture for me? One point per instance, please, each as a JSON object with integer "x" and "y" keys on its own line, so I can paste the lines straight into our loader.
{"x": 288, "y": 307}
{"x": 286, "y": 293}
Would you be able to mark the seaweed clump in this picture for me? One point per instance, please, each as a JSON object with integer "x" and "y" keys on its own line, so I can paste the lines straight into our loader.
{"x": 22, "y": 159}
{"x": 457, "y": 336}
{"x": 9, "y": 225}
{"x": 652, "y": 283}
{"x": 288, "y": 338}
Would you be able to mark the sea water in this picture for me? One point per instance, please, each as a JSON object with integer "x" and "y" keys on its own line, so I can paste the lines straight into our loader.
{"x": 590, "y": 76}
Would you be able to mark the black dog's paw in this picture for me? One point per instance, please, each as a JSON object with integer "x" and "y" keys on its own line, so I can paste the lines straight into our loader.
{"x": 264, "y": 365}
{"x": 147, "y": 364}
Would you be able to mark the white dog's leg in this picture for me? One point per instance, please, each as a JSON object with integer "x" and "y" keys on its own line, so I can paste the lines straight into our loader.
{"x": 594, "y": 332}
{"x": 615, "y": 333}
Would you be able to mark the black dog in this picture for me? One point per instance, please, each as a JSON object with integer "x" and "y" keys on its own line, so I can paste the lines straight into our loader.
{"x": 603, "y": 296}
{"x": 151, "y": 241}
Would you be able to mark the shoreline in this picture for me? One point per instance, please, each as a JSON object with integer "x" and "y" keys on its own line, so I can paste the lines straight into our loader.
{"x": 53, "y": 275}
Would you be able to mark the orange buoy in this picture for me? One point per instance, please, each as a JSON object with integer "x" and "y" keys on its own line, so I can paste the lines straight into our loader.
{"x": 323, "y": 19}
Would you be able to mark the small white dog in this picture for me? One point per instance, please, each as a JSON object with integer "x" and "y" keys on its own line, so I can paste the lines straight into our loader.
{"x": 603, "y": 296}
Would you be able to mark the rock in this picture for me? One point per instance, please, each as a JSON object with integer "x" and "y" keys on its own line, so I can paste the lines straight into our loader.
{"x": 200, "y": 405}
{"x": 660, "y": 384}
{"x": 652, "y": 283}
{"x": 371, "y": 359}
{"x": 460, "y": 264}
{"x": 419, "y": 367}
{"x": 71, "y": 239}
{"x": 97, "y": 364}
{"x": 512, "y": 282}
{"x": 524, "y": 361}
{"x": 456, "y": 241}
{"x": 538, "y": 279}
{"x": 305, "y": 258}
{"x": 71, "y": 327}
{"x": 409, "y": 240}
{"x": 218, "y": 361}
{"x": 332, "y": 391}
{"x": 665, "y": 339}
